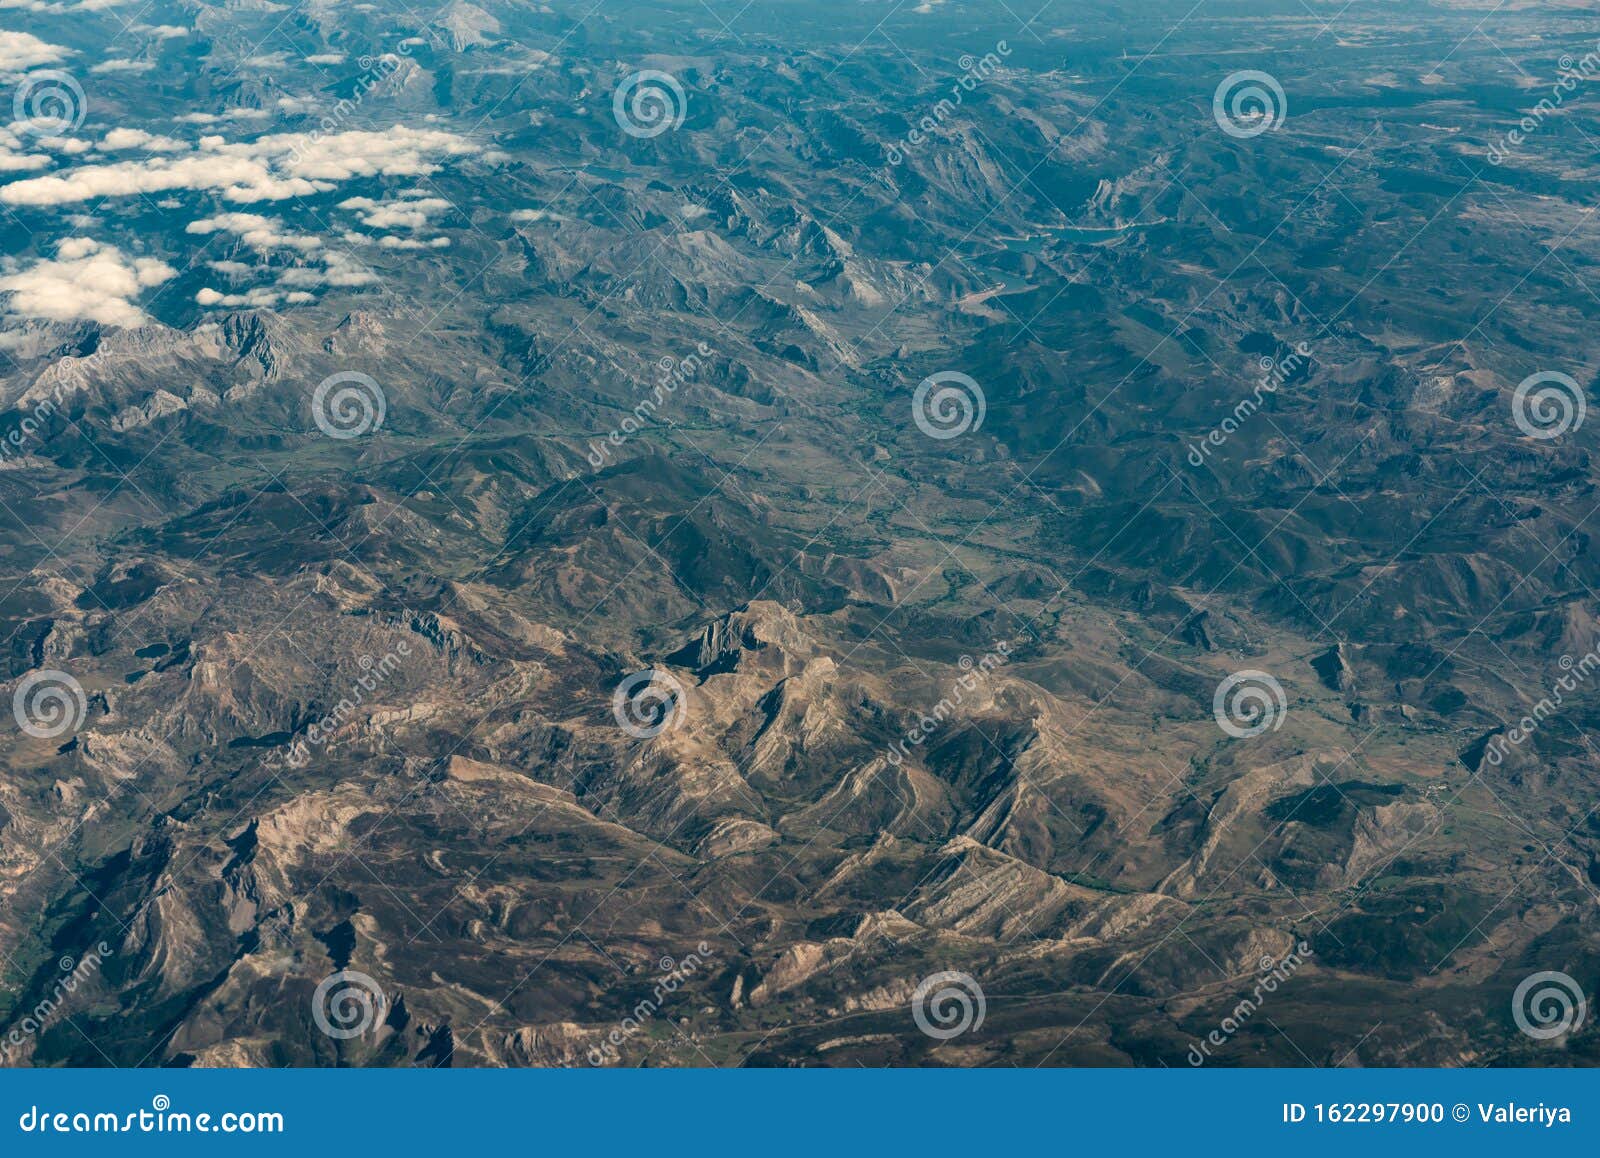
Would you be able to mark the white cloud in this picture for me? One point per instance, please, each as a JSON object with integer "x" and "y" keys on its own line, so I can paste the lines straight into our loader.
{"x": 338, "y": 270}
{"x": 110, "y": 66}
{"x": 86, "y": 281}
{"x": 119, "y": 139}
{"x": 34, "y": 5}
{"x": 260, "y": 233}
{"x": 316, "y": 267}
{"x": 270, "y": 168}
{"x": 236, "y": 114}
{"x": 58, "y": 6}
{"x": 20, "y": 51}
{"x": 12, "y": 157}
{"x": 162, "y": 31}
{"x": 21, "y": 162}
{"x": 326, "y": 58}
{"x": 391, "y": 242}
{"x": 259, "y": 298}
{"x": 294, "y": 285}
{"x": 406, "y": 213}
{"x": 71, "y": 146}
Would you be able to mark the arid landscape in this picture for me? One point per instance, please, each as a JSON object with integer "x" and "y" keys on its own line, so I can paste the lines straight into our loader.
{"x": 803, "y": 534}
